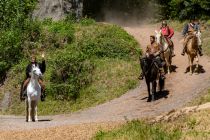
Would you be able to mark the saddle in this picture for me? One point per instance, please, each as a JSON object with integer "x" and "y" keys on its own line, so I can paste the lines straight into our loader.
{"x": 169, "y": 41}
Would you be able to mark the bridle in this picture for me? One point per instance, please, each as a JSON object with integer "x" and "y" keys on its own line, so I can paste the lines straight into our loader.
{"x": 153, "y": 63}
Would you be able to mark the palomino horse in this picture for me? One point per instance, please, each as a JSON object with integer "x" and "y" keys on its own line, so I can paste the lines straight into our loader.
{"x": 33, "y": 95}
{"x": 152, "y": 75}
{"x": 167, "y": 55}
{"x": 192, "y": 50}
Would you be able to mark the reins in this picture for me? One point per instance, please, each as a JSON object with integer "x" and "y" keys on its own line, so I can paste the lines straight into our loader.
{"x": 153, "y": 62}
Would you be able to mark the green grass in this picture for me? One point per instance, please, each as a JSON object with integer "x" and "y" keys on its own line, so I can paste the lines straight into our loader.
{"x": 137, "y": 130}
{"x": 111, "y": 79}
{"x": 193, "y": 126}
{"x": 100, "y": 60}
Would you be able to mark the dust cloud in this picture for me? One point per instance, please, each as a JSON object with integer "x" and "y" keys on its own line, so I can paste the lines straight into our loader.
{"x": 134, "y": 16}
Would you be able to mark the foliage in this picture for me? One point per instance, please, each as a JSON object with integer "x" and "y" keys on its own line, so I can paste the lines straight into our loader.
{"x": 14, "y": 16}
{"x": 184, "y": 9}
{"x": 14, "y": 12}
{"x": 78, "y": 57}
{"x": 137, "y": 130}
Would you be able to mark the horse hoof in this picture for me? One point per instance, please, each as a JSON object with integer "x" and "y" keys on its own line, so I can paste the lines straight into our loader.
{"x": 34, "y": 120}
{"x": 153, "y": 98}
{"x": 26, "y": 120}
{"x": 149, "y": 99}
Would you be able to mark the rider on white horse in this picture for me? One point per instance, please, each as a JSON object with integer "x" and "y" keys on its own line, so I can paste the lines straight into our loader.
{"x": 153, "y": 51}
{"x": 188, "y": 32}
{"x": 168, "y": 33}
{"x": 42, "y": 67}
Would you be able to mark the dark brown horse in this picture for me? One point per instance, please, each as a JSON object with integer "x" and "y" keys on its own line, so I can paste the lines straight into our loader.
{"x": 152, "y": 75}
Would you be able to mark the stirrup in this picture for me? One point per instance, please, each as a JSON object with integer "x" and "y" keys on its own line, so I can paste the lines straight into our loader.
{"x": 141, "y": 77}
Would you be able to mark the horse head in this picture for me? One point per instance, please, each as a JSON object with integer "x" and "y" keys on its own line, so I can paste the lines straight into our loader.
{"x": 145, "y": 64}
{"x": 198, "y": 35}
{"x": 158, "y": 36}
{"x": 36, "y": 71}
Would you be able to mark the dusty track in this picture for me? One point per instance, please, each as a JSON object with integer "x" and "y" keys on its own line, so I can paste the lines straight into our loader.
{"x": 180, "y": 89}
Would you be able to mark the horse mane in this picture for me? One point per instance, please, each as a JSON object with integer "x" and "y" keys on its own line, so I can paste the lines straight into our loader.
{"x": 192, "y": 45}
{"x": 194, "y": 40}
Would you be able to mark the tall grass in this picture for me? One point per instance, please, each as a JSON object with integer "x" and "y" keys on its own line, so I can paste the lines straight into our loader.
{"x": 137, "y": 130}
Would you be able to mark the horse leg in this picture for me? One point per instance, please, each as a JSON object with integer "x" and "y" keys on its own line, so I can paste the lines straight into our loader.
{"x": 190, "y": 64}
{"x": 148, "y": 89}
{"x": 167, "y": 60}
{"x": 154, "y": 85}
{"x": 36, "y": 116}
{"x": 197, "y": 63}
{"x": 33, "y": 111}
{"x": 192, "y": 59}
{"x": 27, "y": 108}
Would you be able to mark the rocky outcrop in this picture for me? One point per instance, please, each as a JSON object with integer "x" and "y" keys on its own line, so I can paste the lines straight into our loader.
{"x": 57, "y": 9}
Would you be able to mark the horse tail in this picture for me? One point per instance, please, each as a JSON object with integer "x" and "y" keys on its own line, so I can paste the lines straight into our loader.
{"x": 21, "y": 92}
{"x": 161, "y": 84}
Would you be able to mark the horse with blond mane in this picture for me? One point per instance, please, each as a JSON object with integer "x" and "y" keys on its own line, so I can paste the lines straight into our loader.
{"x": 192, "y": 50}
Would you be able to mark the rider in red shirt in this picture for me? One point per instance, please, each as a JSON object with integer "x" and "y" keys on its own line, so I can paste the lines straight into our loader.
{"x": 168, "y": 34}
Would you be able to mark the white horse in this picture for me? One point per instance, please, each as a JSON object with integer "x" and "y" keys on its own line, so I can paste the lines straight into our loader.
{"x": 161, "y": 40}
{"x": 33, "y": 95}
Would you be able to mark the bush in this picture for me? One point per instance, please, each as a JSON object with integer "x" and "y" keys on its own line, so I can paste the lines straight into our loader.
{"x": 184, "y": 9}
{"x": 110, "y": 41}
{"x": 72, "y": 70}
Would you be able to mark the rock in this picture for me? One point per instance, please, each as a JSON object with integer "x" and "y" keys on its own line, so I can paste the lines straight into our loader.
{"x": 57, "y": 9}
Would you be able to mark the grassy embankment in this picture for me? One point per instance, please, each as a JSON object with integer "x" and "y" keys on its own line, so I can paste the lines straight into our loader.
{"x": 88, "y": 64}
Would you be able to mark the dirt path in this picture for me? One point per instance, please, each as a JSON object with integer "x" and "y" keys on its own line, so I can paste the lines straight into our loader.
{"x": 181, "y": 88}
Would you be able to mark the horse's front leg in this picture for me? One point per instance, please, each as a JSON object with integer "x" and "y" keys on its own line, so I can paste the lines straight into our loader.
{"x": 192, "y": 59}
{"x": 148, "y": 89}
{"x": 197, "y": 63}
{"x": 36, "y": 116}
{"x": 190, "y": 64}
{"x": 154, "y": 85}
{"x": 29, "y": 109}
{"x": 169, "y": 69}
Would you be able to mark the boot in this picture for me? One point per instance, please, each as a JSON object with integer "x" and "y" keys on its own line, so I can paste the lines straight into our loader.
{"x": 43, "y": 95}
{"x": 200, "y": 50}
{"x": 23, "y": 93}
{"x": 173, "y": 54}
{"x": 141, "y": 77}
{"x": 183, "y": 51}
{"x": 172, "y": 51}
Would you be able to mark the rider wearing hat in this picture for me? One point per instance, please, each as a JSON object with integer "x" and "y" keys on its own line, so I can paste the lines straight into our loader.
{"x": 188, "y": 33}
{"x": 168, "y": 34}
{"x": 153, "y": 51}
